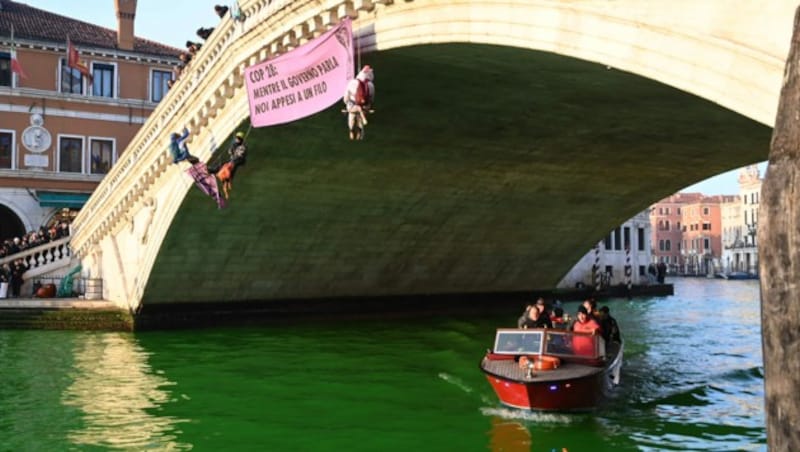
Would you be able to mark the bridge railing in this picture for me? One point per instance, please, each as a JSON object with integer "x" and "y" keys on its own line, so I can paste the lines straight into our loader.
{"x": 214, "y": 75}
{"x": 43, "y": 258}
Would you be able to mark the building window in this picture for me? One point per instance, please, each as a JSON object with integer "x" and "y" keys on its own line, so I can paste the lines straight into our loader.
{"x": 6, "y": 149}
{"x": 641, "y": 270}
{"x": 705, "y": 210}
{"x": 661, "y": 245}
{"x": 70, "y": 154}
{"x": 706, "y": 244}
{"x": 158, "y": 84}
{"x": 706, "y": 226}
{"x": 666, "y": 225}
{"x": 103, "y": 80}
{"x": 666, "y": 210}
{"x": 667, "y": 245}
{"x": 640, "y": 239}
{"x": 71, "y": 79}
{"x": 101, "y": 155}
{"x": 678, "y": 226}
{"x": 679, "y": 210}
{"x": 607, "y": 241}
{"x": 626, "y": 237}
{"x": 617, "y": 239}
{"x": 5, "y": 69}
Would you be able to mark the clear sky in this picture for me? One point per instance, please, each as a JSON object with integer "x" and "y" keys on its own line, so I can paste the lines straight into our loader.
{"x": 170, "y": 22}
{"x": 723, "y": 184}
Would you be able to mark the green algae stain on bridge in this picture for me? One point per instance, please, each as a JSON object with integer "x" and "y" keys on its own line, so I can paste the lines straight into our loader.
{"x": 484, "y": 169}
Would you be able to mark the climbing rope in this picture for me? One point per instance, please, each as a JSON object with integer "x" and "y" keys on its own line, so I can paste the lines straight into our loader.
{"x": 358, "y": 51}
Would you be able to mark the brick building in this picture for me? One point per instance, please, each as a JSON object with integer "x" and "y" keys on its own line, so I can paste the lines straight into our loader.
{"x": 666, "y": 226}
{"x": 59, "y": 134}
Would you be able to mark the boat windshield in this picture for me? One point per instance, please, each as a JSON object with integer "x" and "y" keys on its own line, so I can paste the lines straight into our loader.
{"x": 518, "y": 342}
{"x": 565, "y": 344}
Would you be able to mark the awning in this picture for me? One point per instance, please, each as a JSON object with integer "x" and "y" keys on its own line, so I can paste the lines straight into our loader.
{"x": 62, "y": 199}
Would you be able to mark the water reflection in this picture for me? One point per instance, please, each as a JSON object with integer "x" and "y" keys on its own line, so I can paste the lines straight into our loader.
{"x": 509, "y": 435}
{"x": 117, "y": 392}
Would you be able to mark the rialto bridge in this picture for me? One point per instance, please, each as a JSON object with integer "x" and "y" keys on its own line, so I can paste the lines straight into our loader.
{"x": 510, "y": 136}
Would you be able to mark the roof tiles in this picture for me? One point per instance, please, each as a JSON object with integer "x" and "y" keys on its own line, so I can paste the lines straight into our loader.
{"x": 39, "y": 25}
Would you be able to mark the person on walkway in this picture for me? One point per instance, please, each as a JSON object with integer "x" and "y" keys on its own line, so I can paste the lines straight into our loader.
{"x": 18, "y": 268}
{"x": 204, "y": 33}
{"x": 178, "y": 149}
{"x": 358, "y": 98}
{"x": 221, "y": 10}
{"x": 661, "y": 271}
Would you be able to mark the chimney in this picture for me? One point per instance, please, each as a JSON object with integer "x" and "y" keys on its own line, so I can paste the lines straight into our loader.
{"x": 126, "y": 11}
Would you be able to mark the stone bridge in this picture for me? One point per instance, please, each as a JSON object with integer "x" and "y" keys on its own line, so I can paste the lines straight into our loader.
{"x": 510, "y": 136}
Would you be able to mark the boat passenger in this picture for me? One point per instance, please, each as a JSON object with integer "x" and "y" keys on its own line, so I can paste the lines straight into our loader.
{"x": 540, "y": 305}
{"x": 584, "y": 345}
{"x": 533, "y": 318}
{"x": 591, "y": 308}
{"x": 558, "y": 319}
{"x": 608, "y": 325}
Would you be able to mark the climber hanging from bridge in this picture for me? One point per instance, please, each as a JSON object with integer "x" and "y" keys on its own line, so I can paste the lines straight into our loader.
{"x": 178, "y": 149}
{"x": 198, "y": 170}
{"x": 358, "y": 98}
{"x": 237, "y": 157}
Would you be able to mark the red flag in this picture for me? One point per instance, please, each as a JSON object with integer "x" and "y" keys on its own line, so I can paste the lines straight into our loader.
{"x": 15, "y": 66}
{"x": 74, "y": 61}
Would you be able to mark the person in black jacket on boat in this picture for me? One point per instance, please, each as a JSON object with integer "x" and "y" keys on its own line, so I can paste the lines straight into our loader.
{"x": 608, "y": 326}
{"x": 534, "y": 318}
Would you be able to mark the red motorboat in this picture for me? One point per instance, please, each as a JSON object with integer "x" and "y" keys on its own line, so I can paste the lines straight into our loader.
{"x": 551, "y": 369}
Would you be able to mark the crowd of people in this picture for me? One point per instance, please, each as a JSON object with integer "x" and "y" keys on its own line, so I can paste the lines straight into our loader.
{"x": 34, "y": 238}
{"x": 588, "y": 319}
{"x": 193, "y": 47}
{"x": 11, "y": 273}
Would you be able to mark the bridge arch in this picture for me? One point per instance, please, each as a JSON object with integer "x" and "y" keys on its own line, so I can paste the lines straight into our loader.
{"x": 712, "y": 56}
{"x": 11, "y": 224}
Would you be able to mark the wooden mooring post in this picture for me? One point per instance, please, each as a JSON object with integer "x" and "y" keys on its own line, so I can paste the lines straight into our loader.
{"x": 779, "y": 263}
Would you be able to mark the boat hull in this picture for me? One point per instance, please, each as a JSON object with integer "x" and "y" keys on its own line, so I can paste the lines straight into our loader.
{"x": 549, "y": 391}
{"x": 568, "y": 395}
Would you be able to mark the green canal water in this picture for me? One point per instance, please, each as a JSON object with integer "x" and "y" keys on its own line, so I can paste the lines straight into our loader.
{"x": 692, "y": 380}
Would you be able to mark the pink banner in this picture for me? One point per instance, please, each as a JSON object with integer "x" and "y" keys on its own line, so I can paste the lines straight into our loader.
{"x": 303, "y": 81}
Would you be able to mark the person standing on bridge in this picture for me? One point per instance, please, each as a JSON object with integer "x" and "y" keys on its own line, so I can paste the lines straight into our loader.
{"x": 358, "y": 98}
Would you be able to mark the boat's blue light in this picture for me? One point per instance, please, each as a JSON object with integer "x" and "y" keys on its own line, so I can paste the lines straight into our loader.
{"x": 553, "y": 387}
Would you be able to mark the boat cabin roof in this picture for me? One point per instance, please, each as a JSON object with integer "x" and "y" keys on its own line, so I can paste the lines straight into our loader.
{"x": 546, "y": 341}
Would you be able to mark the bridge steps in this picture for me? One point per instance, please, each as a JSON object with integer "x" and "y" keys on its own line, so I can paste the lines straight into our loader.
{"x": 63, "y": 315}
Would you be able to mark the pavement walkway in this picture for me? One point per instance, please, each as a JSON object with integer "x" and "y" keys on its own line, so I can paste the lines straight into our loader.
{"x": 55, "y": 303}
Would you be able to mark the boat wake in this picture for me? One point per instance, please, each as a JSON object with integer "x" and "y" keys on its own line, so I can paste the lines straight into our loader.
{"x": 529, "y": 416}
{"x": 455, "y": 382}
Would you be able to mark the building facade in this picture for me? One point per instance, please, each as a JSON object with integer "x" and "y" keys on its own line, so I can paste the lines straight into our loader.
{"x": 64, "y": 124}
{"x": 628, "y": 244}
{"x": 702, "y": 235}
{"x": 666, "y": 224}
{"x": 740, "y": 254}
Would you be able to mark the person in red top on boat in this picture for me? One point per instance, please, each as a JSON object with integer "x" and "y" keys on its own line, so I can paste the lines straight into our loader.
{"x": 584, "y": 345}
